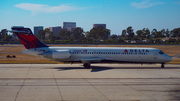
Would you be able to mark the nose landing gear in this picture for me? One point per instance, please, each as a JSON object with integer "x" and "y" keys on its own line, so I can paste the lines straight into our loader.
{"x": 162, "y": 65}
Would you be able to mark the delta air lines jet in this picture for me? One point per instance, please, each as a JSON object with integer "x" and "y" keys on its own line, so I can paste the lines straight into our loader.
{"x": 88, "y": 55}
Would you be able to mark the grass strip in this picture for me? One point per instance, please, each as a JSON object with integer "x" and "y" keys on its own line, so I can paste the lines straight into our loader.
{"x": 28, "y": 61}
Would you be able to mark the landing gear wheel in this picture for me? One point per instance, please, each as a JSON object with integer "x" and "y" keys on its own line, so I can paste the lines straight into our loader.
{"x": 87, "y": 65}
{"x": 162, "y": 65}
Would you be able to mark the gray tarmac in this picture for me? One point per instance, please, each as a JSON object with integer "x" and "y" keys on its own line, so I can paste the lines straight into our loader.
{"x": 103, "y": 82}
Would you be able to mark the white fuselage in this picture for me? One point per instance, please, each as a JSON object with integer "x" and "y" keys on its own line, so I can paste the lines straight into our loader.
{"x": 101, "y": 54}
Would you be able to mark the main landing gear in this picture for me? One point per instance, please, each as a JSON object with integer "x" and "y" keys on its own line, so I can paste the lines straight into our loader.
{"x": 87, "y": 65}
{"x": 162, "y": 65}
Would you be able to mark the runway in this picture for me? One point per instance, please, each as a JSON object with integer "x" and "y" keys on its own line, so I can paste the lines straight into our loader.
{"x": 103, "y": 82}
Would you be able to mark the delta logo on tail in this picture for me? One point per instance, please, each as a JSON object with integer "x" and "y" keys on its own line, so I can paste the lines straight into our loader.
{"x": 27, "y": 38}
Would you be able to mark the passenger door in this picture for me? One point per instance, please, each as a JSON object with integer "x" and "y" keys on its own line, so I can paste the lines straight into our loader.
{"x": 155, "y": 56}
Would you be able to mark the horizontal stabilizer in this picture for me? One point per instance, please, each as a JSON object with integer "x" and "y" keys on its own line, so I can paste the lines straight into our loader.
{"x": 12, "y": 31}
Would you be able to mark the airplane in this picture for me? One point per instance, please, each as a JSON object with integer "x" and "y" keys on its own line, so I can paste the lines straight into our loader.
{"x": 89, "y": 55}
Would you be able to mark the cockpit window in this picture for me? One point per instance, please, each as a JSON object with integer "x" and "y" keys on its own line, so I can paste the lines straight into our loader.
{"x": 161, "y": 52}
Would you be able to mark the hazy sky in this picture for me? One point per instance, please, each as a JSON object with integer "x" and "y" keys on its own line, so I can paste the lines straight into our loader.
{"x": 116, "y": 14}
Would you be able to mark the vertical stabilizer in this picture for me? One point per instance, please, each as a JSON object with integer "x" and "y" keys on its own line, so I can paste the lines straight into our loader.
{"x": 27, "y": 38}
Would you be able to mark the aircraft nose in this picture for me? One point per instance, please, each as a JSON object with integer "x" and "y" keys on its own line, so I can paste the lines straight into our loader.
{"x": 169, "y": 59}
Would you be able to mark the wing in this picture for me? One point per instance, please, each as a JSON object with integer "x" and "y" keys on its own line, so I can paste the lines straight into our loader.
{"x": 90, "y": 60}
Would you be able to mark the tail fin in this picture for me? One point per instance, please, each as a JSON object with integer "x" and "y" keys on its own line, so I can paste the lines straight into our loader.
{"x": 27, "y": 38}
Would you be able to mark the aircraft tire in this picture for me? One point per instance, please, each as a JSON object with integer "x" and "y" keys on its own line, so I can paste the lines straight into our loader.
{"x": 162, "y": 65}
{"x": 87, "y": 65}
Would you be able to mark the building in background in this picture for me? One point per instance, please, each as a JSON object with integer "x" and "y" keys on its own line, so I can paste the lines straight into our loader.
{"x": 37, "y": 29}
{"x": 103, "y": 25}
{"x": 71, "y": 29}
{"x": 66, "y": 25}
{"x": 55, "y": 30}
{"x": 70, "y": 26}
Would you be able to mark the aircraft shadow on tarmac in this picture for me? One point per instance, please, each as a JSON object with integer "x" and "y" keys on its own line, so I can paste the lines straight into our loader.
{"x": 102, "y": 68}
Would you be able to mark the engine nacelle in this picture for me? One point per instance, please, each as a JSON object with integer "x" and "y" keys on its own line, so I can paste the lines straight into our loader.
{"x": 60, "y": 54}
